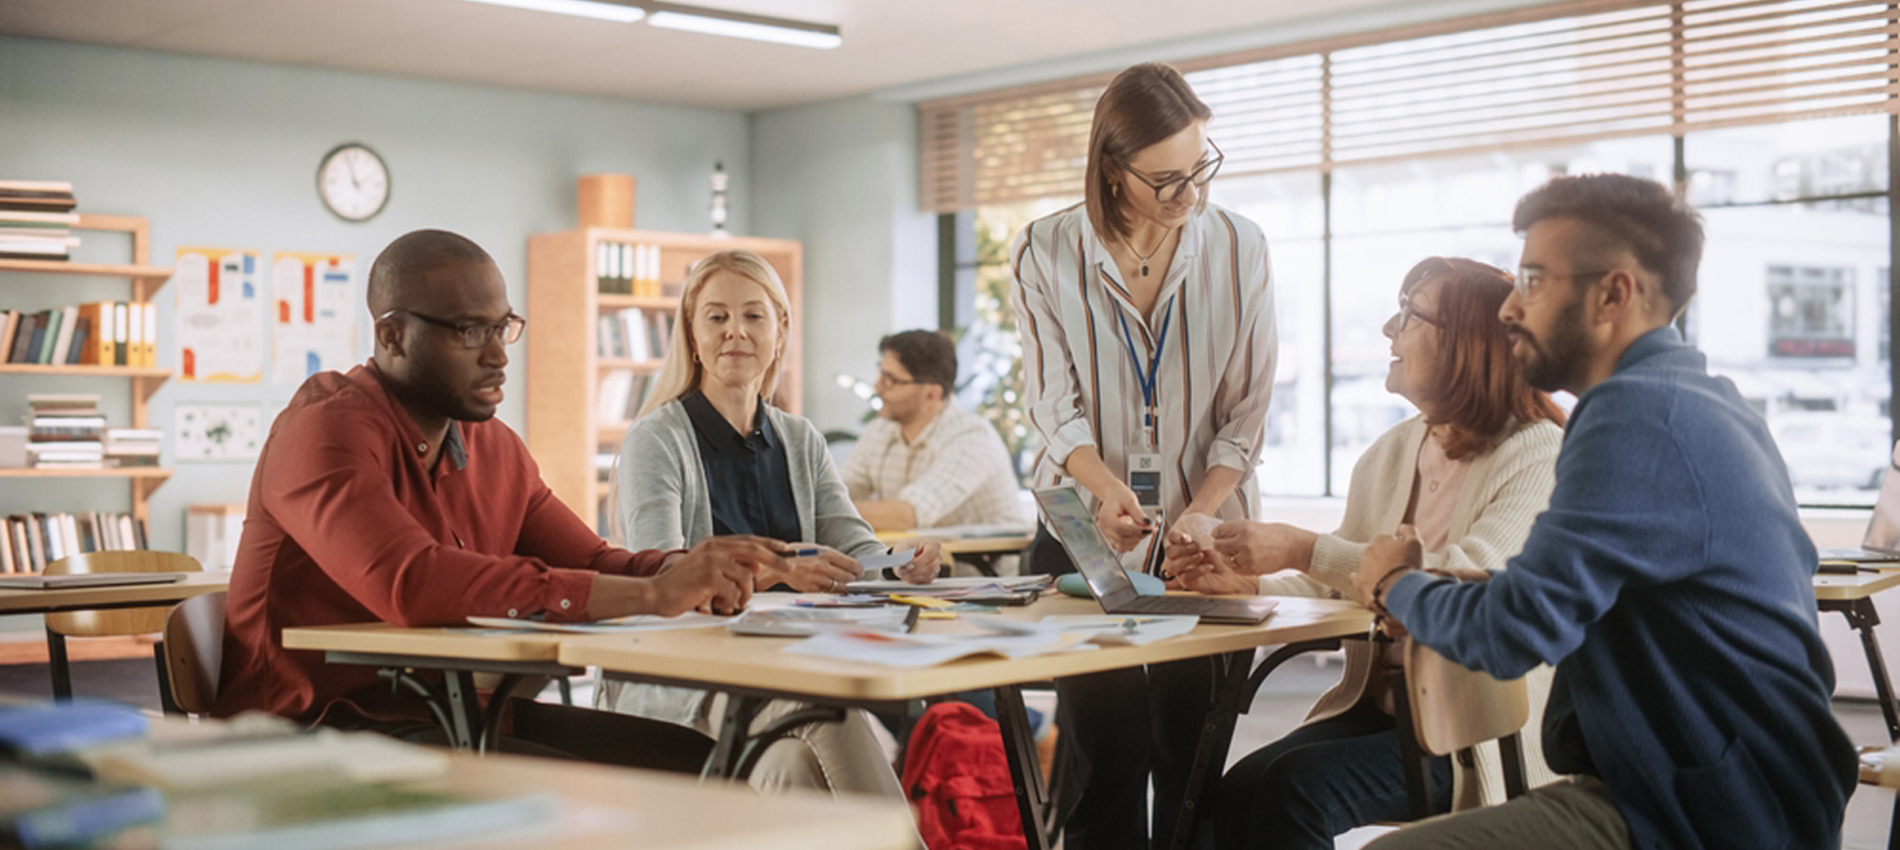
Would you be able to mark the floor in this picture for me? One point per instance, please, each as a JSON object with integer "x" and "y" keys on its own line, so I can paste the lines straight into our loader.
{"x": 1278, "y": 708}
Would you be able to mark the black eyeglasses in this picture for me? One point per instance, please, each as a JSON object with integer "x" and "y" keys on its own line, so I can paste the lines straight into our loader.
{"x": 1408, "y": 312}
{"x": 474, "y": 334}
{"x": 1168, "y": 191}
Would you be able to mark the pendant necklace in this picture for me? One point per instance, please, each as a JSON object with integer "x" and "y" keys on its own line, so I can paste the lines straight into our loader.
{"x": 1157, "y": 249}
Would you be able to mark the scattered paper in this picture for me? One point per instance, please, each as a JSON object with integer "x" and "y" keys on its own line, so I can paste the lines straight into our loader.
{"x": 617, "y": 625}
{"x": 909, "y": 650}
{"x": 1006, "y": 583}
{"x": 873, "y": 563}
{"x": 799, "y": 621}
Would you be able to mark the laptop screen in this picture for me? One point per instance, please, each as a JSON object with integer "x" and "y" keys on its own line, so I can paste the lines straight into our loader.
{"x": 1070, "y": 521}
{"x": 1883, "y": 531}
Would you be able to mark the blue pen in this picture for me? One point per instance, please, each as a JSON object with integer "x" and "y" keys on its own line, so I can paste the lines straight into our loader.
{"x": 805, "y": 552}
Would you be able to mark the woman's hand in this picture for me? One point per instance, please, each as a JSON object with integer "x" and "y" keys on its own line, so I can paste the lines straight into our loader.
{"x": 924, "y": 564}
{"x": 826, "y": 572}
{"x": 1121, "y": 519}
{"x": 1385, "y": 555}
{"x": 1200, "y": 569}
{"x": 1258, "y": 548}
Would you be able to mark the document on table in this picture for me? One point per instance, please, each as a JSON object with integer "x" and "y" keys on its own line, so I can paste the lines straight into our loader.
{"x": 946, "y": 585}
{"x": 616, "y": 625}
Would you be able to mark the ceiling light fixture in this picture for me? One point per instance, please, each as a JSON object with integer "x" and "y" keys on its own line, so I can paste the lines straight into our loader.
{"x": 741, "y": 25}
{"x": 606, "y": 10}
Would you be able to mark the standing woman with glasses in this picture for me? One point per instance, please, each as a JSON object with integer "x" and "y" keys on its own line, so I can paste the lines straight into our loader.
{"x": 1148, "y": 347}
{"x": 1470, "y": 473}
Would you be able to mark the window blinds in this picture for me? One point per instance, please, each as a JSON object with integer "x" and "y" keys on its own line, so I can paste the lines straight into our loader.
{"x": 1552, "y": 76}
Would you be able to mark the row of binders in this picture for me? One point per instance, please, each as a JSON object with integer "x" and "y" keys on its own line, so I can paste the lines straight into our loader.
{"x": 100, "y": 333}
{"x": 634, "y": 334}
{"x": 624, "y": 268}
{"x": 36, "y": 220}
{"x": 37, "y": 539}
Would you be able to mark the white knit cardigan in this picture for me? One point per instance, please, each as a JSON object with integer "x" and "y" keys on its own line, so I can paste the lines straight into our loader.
{"x": 1504, "y": 491}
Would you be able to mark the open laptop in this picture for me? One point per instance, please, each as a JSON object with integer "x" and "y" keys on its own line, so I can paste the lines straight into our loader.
{"x": 1072, "y": 524}
{"x": 1881, "y": 543}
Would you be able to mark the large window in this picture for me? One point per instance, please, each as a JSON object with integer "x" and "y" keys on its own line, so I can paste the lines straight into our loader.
{"x": 1361, "y": 158}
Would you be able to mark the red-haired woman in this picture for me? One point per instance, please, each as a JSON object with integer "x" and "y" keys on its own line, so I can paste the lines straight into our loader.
{"x": 1471, "y": 472}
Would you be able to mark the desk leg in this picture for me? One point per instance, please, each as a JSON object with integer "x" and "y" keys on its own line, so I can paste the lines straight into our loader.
{"x": 1236, "y": 685}
{"x": 1862, "y": 617}
{"x": 465, "y": 710}
{"x": 62, "y": 669}
{"x": 734, "y": 729}
{"x": 1019, "y": 747}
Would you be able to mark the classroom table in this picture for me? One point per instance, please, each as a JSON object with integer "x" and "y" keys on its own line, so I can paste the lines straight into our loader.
{"x": 1851, "y": 595}
{"x": 55, "y": 600}
{"x": 753, "y": 670}
{"x": 979, "y": 552}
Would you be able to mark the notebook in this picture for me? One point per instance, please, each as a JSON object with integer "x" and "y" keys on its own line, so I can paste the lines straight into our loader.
{"x": 40, "y": 582}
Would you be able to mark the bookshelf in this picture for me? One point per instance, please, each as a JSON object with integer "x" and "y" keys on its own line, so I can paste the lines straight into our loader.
{"x": 146, "y": 280}
{"x": 564, "y": 371}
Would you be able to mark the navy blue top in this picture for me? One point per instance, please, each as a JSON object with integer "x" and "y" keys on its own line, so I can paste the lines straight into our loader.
{"x": 1672, "y": 585}
{"x": 748, "y": 481}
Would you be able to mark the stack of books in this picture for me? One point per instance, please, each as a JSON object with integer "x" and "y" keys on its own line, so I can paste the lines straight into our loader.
{"x": 31, "y": 541}
{"x": 100, "y": 333}
{"x": 132, "y": 446}
{"x": 65, "y": 432}
{"x": 36, "y": 220}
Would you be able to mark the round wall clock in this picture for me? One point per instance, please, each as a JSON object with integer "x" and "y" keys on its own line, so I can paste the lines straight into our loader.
{"x": 353, "y": 182}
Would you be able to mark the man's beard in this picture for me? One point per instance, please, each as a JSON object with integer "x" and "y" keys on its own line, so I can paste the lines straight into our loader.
{"x": 1553, "y": 364}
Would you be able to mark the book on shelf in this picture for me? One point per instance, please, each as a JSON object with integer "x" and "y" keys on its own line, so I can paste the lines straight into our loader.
{"x": 131, "y": 447}
{"x": 35, "y": 220}
{"x": 625, "y": 268}
{"x": 33, "y": 540}
{"x": 634, "y": 334}
{"x": 620, "y": 395}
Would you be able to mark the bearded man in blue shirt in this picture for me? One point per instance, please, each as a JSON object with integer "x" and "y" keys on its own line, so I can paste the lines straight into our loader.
{"x": 1670, "y": 581}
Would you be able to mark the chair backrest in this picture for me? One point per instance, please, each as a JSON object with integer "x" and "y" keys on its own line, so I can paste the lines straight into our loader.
{"x": 194, "y": 651}
{"x": 1454, "y": 707}
{"x": 124, "y": 621}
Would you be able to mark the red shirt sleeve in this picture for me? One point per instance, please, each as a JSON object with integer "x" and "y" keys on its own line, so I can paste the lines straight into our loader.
{"x": 555, "y": 535}
{"x": 331, "y": 489}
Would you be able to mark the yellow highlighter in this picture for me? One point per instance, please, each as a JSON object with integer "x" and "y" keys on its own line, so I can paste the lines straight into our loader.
{"x": 926, "y": 603}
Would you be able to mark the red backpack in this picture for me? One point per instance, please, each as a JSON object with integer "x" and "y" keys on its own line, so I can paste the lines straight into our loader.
{"x": 958, "y": 780}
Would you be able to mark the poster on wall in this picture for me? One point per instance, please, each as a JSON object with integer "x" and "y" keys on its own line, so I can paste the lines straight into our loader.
{"x": 216, "y": 432}
{"x": 312, "y": 323}
{"x": 220, "y": 319}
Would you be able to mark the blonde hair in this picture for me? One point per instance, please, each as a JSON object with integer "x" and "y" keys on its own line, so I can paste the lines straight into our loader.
{"x": 683, "y": 371}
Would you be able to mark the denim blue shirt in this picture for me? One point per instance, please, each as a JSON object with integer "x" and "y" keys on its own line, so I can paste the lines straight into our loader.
{"x": 1671, "y": 584}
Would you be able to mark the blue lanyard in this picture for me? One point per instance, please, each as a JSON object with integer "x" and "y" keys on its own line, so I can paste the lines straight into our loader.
{"x": 1147, "y": 381}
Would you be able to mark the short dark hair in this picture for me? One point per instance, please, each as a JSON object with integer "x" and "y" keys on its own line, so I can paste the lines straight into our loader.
{"x": 929, "y": 356}
{"x": 401, "y": 265}
{"x": 1661, "y": 230}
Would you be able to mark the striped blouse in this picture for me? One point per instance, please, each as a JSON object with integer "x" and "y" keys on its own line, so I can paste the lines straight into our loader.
{"x": 1216, "y": 363}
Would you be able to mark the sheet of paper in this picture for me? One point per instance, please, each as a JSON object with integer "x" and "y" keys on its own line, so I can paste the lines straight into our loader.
{"x": 905, "y": 650}
{"x": 219, "y": 323}
{"x": 1124, "y": 629}
{"x": 312, "y": 322}
{"x": 873, "y": 563}
{"x": 953, "y": 583}
{"x": 617, "y": 625}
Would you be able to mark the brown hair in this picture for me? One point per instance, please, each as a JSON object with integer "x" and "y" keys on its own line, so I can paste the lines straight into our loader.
{"x": 1142, "y": 106}
{"x": 1481, "y": 389}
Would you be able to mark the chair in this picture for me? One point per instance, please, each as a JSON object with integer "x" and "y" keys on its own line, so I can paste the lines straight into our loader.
{"x": 1454, "y": 709}
{"x": 110, "y": 623}
{"x": 194, "y": 651}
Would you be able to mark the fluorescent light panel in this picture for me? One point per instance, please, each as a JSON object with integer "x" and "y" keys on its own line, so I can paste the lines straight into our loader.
{"x": 601, "y": 9}
{"x": 736, "y": 25}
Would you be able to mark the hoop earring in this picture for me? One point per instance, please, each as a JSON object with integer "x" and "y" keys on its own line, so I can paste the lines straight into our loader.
{"x": 1114, "y": 190}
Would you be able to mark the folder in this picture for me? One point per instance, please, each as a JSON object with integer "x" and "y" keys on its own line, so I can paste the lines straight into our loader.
{"x": 151, "y": 335}
{"x": 119, "y": 333}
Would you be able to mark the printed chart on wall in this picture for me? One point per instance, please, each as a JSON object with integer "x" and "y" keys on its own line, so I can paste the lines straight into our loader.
{"x": 312, "y": 328}
{"x": 220, "y": 319}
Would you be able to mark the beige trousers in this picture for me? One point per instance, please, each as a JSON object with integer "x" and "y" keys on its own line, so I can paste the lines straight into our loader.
{"x": 1566, "y": 815}
{"x": 843, "y": 758}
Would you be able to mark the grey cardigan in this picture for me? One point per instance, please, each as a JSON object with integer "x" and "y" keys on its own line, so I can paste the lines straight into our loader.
{"x": 664, "y": 505}
{"x": 662, "y": 483}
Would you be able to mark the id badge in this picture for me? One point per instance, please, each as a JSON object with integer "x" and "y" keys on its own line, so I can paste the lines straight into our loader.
{"x": 1144, "y": 477}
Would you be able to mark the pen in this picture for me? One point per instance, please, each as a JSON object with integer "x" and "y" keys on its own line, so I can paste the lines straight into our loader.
{"x": 804, "y": 552}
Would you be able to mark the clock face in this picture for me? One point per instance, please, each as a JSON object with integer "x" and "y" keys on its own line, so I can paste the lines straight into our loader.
{"x": 353, "y": 182}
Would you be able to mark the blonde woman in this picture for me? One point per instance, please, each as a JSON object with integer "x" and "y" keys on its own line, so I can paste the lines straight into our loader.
{"x": 709, "y": 456}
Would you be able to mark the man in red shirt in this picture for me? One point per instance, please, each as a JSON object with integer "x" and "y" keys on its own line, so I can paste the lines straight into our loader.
{"x": 390, "y": 493}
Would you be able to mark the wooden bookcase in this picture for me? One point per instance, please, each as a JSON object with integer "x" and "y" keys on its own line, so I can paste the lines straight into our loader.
{"x": 564, "y": 304}
{"x": 146, "y": 280}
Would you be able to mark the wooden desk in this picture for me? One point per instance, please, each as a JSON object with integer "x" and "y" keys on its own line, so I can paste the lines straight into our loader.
{"x": 752, "y": 670}
{"x": 1851, "y": 595}
{"x": 22, "y": 601}
{"x": 17, "y": 601}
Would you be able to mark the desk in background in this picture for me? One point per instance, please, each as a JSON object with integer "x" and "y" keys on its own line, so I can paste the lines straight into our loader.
{"x": 17, "y": 601}
{"x": 1851, "y": 595}
{"x": 980, "y": 550}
